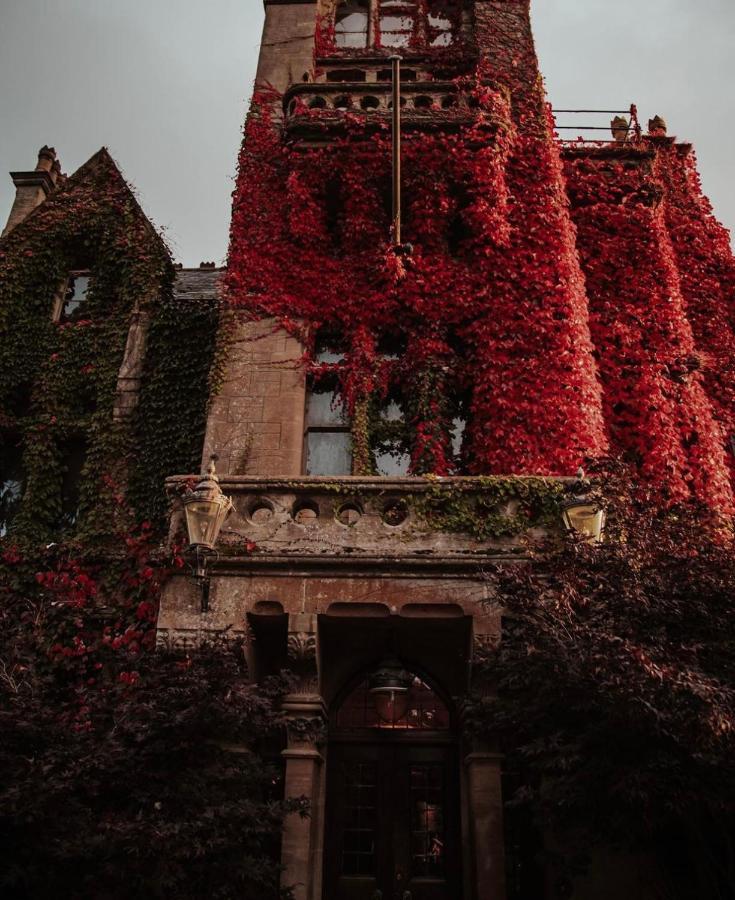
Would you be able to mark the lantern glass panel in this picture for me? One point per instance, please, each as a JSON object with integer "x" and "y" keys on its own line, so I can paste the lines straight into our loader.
{"x": 391, "y": 705}
{"x": 587, "y": 520}
{"x": 202, "y": 520}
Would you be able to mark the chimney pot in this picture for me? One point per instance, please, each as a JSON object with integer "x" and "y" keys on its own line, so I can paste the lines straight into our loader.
{"x": 46, "y": 159}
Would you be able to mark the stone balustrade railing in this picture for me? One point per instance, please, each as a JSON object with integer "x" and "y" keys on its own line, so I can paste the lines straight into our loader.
{"x": 420, "y": 98}
{"x": 353, "y": 518}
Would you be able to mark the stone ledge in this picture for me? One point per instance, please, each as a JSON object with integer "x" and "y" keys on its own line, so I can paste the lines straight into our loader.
{"x": 378, "y": 522}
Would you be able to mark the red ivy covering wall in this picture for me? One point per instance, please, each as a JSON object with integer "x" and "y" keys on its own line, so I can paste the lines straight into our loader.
{"x": 492, "y": 304}
{"x": 707, "y": 274}
{"x": 655, "y": 404}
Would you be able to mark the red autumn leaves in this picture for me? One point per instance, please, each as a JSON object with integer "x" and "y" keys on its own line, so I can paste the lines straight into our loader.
{"x": 563, "y": 343}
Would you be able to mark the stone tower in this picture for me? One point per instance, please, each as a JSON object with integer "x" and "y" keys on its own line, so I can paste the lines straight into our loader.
{"x": 391, "y": 420}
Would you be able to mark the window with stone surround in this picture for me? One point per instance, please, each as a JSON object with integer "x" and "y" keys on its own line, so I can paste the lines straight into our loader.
{"x": 72, "y": 296}
{"x": 328, "y": 438}
{"x": 351, "y": 24}
{"x": 396, "y": 24}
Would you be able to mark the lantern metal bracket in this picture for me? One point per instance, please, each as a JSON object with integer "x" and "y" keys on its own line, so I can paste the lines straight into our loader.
{"x": 201, "y": 558}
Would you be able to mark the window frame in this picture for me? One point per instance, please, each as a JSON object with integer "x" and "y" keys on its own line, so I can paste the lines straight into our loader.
{"x": 325, "y": 385}
{"x": 58, "y": 314}
{"x": 422, "y": 36}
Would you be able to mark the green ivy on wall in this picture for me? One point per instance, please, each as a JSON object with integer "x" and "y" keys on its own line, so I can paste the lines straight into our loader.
{"x": 171, "y": 414}
{"x": 58, "y": 381}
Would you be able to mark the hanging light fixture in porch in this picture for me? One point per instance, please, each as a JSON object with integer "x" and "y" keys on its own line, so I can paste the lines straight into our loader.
{"x": 390, "y": 688}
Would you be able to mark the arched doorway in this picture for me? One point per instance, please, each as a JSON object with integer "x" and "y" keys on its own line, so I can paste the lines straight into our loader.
{"x": 392, "y": 824}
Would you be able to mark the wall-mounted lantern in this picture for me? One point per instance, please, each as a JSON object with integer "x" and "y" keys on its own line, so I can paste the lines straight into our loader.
{"x": 583, "y": 513}
{"x": 205, "y": 509}
{"x": 390, "y": 688}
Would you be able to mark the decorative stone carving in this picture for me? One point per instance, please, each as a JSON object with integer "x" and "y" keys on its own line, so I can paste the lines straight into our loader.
{"x": 178, "y": 639}
{"x": 302, "y": 653}
{"x": 484, "y": 643}
{"x": 302, "y": 647}
{"x": 306, "y": 730}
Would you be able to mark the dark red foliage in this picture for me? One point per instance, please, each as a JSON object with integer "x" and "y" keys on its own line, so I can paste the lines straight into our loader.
{"x": 557, "y": 343}
{"x": 616, "y": 693}
{"x": 126, "y": 772}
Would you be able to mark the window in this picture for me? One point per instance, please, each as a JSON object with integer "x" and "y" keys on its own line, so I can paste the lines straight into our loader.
{"x": 351, "y": 24}
{"x": 328, "y": 433}
{"x": 328, "y": 437}
{"x": 12, "y": 480}
{"x": 392, "y": 24}
{"x": 397, "y": 23}
{"x": 425, "y": 710}
{"x": 440, "y": 27}
{"x": 390, "y": 441}
{"x": 71, "y": 299}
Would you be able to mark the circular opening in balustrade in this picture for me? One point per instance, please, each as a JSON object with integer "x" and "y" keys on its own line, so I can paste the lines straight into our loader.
{"x": 348, "y": 514}
{"x": 305, "y": 512}
{"x": 369, "y": 103}
{"x": 449, "y": 102}
{"x": 343, "y": 103}
{"x": 423, "y": 101}
{"x": 260, "y": 512}
{"x": 395, "y": 512}
{"x": 318, "y": 103}
{"x": 390, "y": 103}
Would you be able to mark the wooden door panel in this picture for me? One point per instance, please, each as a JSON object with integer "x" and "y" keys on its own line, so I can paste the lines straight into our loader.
{"x": 392, "y": 822}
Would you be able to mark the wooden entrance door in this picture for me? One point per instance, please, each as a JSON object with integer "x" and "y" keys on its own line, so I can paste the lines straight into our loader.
{"x": 392, "y": 822}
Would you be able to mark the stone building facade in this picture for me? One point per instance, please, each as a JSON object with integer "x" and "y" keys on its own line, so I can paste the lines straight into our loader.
{"x": 348, "y": 563}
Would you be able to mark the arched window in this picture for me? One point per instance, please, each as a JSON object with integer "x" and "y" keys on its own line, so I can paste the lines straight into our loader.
{"x": 424, "y": 709}
{"x": 351, "y": 24}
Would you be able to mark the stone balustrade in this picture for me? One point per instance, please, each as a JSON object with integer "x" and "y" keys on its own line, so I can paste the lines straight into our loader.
{"x": 420, "y": 97}
{"x": 346, "y": 520}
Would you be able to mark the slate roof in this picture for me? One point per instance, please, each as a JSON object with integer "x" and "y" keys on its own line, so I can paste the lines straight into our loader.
{"x": 198, "y": 284}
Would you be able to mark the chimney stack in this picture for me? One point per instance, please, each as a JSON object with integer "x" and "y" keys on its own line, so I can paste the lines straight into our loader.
{"x": 32, "y": 188}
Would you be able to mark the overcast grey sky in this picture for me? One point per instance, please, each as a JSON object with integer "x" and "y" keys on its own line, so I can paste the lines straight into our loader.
{"x": 164, "y": 84}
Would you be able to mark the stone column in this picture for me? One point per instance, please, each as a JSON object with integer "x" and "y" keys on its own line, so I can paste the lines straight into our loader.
{"x": 486, "y": 818}
{"x": 483, "y": 770}
{"x": 303, "y": 837}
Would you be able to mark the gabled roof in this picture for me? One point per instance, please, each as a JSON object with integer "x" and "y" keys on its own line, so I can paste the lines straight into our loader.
{"x": 100, "y": 165}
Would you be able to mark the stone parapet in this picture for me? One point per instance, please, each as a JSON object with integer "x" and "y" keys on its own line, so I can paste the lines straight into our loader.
{"x": 352, "y": 521}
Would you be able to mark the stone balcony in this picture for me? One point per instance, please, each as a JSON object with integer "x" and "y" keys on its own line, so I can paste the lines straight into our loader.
{"x": 354, "y": 522}
{"x": 324, "y": 106}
